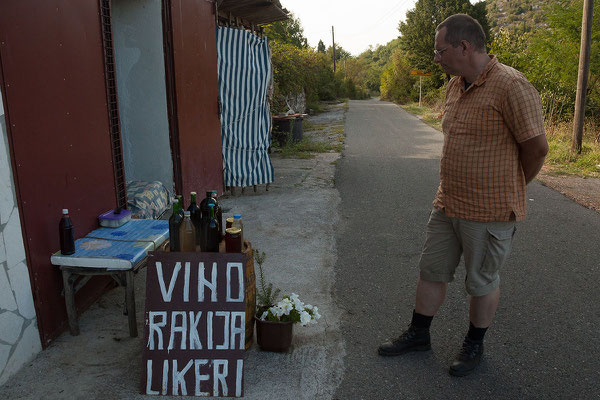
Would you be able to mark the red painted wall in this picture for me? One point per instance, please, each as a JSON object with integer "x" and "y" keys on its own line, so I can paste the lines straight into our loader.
{"x": 57, "y": 119}
{"x": 196, "y": 90}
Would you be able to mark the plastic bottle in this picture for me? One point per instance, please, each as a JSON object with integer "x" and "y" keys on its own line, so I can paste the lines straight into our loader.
{"x": 237, "y": 223}
{"x": 66, "y": 234}
{"x": 174, "y": 225}
{"x": 211, "y": 237}
{"x": 187, "y": 233}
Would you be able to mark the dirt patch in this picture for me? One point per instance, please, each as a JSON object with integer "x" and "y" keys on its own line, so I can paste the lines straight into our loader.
{"x": 585, "y": 191}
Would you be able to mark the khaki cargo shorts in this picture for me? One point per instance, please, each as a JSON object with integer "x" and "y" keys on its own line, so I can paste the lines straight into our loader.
{"x": 485, "y": 247}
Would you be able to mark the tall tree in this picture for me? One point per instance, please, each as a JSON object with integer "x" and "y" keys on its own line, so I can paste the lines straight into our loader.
{"x": 418, "y": 31}
{"x": 289, "y": 31}
{"x": 321, "y": 47}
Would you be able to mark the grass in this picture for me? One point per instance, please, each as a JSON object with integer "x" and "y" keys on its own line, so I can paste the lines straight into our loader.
{"x": 306, "y": 148}
{"x": 560, "y": 160}
{"x": 428, "y": 115}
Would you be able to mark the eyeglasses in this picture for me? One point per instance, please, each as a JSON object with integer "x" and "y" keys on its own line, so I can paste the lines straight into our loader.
{"x": 439, "y": 52}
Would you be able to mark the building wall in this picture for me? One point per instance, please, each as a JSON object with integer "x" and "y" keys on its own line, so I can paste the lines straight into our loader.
{"x": 19, "y": 337}
{"x": 140, "y": 66}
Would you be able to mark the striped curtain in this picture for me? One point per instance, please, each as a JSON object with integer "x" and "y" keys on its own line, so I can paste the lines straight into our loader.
{"x": 244, "y": 66}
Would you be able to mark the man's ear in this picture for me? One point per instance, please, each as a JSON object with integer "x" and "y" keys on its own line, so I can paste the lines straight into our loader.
{"x": 466, "y": 47}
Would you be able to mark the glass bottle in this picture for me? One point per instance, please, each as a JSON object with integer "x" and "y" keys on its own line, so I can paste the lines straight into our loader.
{"x": 204, "y": 214}
{"x": 218, "y": 213}
{"x": 211, "y": 237}
{"x": 233, "y": 240}
{"x": 181, "y": 207}
{"x": 66, "y": 234}
{"x": 187, "y": 233}
{"x": 195, "y": 215}
{"x": 237, "y": 223}
{"x": 174, "y": 225}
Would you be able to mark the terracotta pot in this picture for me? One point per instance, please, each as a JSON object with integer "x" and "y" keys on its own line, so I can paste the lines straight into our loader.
{"x": 274, "y": 336}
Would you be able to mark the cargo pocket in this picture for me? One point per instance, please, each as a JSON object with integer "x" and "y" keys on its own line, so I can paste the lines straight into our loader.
{"x": 499, "y": 245}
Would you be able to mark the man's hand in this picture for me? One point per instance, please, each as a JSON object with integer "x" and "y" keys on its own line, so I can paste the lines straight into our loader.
{"x": 532, "y": 153}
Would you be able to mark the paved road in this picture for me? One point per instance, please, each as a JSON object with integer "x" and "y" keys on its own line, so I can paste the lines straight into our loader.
{"x": 544, "y": 341}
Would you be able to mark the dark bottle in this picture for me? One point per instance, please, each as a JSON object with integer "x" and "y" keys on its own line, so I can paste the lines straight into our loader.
{"x": 211, "y": 237}
{"x": 195, "y": 216}
{"x": 181, "y": 207}
{"x": 218, "y": 213}
{"x": 66, "y": 233}
{"x": 174, "y": 225}
{"x": 204, "y": 217}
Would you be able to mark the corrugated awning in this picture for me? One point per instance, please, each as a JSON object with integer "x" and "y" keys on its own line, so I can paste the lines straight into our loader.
{"x": 252, "y": 12}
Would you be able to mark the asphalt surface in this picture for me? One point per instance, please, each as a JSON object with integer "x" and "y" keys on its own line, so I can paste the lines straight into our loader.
{"x": 544, "y": 341}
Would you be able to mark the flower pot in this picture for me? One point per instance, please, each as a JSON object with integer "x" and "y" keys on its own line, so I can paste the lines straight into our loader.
{"x": 274, "y": 336}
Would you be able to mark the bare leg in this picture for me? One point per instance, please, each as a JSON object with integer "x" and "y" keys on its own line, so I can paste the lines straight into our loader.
{"x": 483, "y": 309}
{"x": 430, "y": 296}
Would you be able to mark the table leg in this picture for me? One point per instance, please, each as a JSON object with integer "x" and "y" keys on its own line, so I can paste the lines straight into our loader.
{"x": 130, "y": 294}
{"x": 68, "y": 280}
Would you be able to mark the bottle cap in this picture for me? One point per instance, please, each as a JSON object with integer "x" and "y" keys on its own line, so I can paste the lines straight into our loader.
{"x": 213, "y": 191}
{"x": 237, "y": 216}
{"x": 65, "y": 211}
{"x": 233, "y": 231}
{"x": 186, "y": 213}
{"x": 211, "y": 205}
{"x": 193, "y": 193}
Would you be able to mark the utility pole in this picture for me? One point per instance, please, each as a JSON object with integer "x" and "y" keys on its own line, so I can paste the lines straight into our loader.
{"x": 582, "y": 77}
{"x": 333, "y": 39}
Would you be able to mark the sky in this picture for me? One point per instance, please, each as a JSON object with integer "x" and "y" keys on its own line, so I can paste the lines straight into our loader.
{"x": 357, "y": 24}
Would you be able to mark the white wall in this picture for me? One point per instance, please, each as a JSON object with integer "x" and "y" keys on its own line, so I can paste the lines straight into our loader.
{"x": 19, "y": 337}
{"x": 139, "y": 58}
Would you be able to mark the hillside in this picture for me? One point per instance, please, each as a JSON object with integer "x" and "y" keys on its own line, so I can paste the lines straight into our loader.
{"x": 521, "y": 15}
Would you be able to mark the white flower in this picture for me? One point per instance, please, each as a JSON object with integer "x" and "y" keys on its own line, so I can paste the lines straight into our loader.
{"x": 316, "y": 314}
{"x": 308, "y": 307}
{"x": 305, "y": 318}
{"x": 264, "y": 315}
{"x": 276, "y": 311}
{"x": 286, "y": 307}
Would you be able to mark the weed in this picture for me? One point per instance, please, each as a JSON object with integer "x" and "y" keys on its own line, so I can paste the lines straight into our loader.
{"x": 559, "y": 158}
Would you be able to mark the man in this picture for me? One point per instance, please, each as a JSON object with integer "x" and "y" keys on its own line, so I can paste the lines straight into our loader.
{"x": 494, "y": 144}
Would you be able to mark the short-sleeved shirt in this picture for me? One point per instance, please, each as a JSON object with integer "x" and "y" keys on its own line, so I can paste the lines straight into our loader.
{"x": 481, "y": 178}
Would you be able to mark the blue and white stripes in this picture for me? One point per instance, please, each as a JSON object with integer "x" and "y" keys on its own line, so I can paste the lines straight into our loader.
{"x": 244, "y": 66}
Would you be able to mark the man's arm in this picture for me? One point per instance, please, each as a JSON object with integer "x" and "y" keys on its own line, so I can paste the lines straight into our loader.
{"x": 532, "y": 153}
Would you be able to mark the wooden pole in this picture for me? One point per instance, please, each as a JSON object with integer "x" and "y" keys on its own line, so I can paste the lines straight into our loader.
{"x": 333, "y": 40}
{"x": 420, "y": 84}
{"x": 582, "y": 77}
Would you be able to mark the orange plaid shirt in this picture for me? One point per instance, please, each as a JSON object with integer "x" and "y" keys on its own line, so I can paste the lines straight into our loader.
{"x": 481, "y": 178}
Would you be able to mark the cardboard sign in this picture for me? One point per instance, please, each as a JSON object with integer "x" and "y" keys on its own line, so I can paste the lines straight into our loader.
{"x": 419, "y": 72}
{"x": 194, "y": 324}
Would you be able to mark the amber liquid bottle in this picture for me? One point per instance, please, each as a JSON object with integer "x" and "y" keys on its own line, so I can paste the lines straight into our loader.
{"x": 66, "y": 234}
{"x": 187, "y": 233}
{"x": 174, "y": 225}
{"x": 211, "y": 232}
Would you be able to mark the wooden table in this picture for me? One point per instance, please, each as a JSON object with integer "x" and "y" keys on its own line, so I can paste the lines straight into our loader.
{"x": 116, "y": 252}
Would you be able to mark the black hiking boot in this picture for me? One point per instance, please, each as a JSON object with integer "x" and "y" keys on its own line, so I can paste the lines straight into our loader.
{"x": 468, "y": 358}
{"x": 413, "y": 339}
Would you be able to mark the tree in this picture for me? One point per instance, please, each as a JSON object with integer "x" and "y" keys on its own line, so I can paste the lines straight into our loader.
{"x": 418, "y": 32}
{"x": 321, "y": 47}
{"x": 289, "y": 31}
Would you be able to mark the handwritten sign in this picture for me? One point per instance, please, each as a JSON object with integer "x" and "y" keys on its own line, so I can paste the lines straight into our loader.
{"x": 419, "y": 72}
{"x": 194, "y": 324}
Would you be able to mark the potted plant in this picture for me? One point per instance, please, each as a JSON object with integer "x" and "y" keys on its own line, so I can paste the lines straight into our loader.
{"x": 275, "y": 319}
